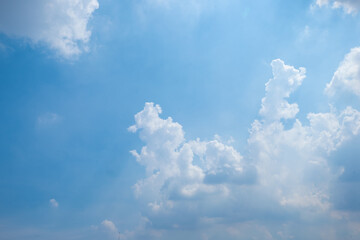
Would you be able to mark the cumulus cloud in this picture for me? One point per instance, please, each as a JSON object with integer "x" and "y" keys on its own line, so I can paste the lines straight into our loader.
{"x": 61, "y": 24}
{"x": 178, "y": 168}
{"x": 210, "y": 184}
{"x": 53, "y": 203}
{"x": 347, "y": 76}
{"x": 110, "y": 226}
{"x": 286, "y": 80}
{"x": 294, "y": 161}
{"x": 349, "y": 6}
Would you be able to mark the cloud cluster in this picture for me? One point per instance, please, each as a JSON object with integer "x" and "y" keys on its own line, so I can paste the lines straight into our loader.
{"x": 286, "y": 174}
{"x": 61, "y": 24}
{"x": 349, "y": 6}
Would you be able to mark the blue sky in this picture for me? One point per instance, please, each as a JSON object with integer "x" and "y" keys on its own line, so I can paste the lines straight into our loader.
{"x": 169, "y": 119}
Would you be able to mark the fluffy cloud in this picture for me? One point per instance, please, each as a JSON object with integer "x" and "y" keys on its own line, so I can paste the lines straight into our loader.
{"x": 286, "y": 80}
{"x": 349, "y": 6}
{"x": 347, "y": 76}
{"x": 109, "y": 225}
{"x": 61, "y": 24}
{"x": 180, "y": 169}
{"x": 294, "y": 161}
{"x": 209, "y": 184}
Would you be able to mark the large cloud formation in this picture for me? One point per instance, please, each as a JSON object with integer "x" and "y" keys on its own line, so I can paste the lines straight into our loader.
{"x": 280, "y": 190}
{"x": 349, "y": 6}
{"x": 61, "y": 24}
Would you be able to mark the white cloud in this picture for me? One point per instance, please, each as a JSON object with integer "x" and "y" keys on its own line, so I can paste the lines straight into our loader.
{"x": 294, "y": 161}
{"x": 286, "y": 80}
{"x": 347, "y": 76}
{"x": 322, "y": 2}
{"x": 190, "y": 182}
{"x": 110, "y": 226}
{"x": 61, "y": 24}
{"x": 349, "y": 6}
{"x": 178, "y": 168}
{"x": 53, "y": 203}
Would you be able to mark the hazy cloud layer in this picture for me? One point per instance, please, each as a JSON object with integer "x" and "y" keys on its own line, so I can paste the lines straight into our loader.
{"x": 286, "y": 175}
{"x": 61, "y": 24}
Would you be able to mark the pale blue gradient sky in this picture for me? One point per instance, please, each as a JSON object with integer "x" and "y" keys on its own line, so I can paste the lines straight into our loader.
{"x": 64, "y": 120}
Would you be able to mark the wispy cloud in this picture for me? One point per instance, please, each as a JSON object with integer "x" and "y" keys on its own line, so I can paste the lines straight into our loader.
{"x": 349, "y": 6}
{"x": 53, "y": 203}
{"x": 47, "y": 119}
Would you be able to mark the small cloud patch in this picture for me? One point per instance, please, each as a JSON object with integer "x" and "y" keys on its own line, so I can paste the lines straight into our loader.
{"x": 53, "y": 203}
